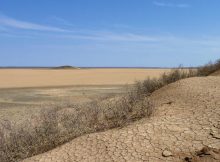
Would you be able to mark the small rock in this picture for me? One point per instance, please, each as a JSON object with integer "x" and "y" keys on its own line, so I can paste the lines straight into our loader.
{"x": 215, "y": 134}
{"x": 167, "y": 153}
{"x": 169, "y": 103}
{"x": 188, "y": 159}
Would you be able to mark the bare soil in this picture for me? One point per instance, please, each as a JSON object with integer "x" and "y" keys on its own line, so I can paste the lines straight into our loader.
{"x": 20, "y": 78}
{"x": 185, "y": 121}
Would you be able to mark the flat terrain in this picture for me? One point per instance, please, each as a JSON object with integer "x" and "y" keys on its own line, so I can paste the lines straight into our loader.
{"x": 186, "y": 120}
{"x": 17, "y": 78}
{"x": 24, "y": 92}
{"x": 17, "y": 104}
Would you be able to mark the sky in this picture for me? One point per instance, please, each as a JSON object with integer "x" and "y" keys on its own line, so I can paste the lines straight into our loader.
{"x": 109, "y": 33}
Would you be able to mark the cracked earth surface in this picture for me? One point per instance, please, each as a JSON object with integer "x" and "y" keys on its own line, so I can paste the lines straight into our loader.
{"x": 186, "y": 119}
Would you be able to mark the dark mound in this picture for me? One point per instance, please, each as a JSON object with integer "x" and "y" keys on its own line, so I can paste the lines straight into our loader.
{"x": 66, "y": 67}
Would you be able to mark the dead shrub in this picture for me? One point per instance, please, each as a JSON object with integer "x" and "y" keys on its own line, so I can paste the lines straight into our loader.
{"x": 147, "y": 87}
{"x": 54, "y": 128}
{"x": 209, "y": 68}
{"x": 20, "y": 141}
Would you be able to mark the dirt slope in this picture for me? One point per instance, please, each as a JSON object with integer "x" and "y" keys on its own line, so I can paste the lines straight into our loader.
{"x": 187, "y": 118}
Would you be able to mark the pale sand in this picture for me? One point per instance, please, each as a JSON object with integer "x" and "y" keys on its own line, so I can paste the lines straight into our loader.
{"x": 17, "y": 78}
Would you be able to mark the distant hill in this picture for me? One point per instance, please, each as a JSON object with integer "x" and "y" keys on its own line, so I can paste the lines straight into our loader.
{"x": 66, "y": 67}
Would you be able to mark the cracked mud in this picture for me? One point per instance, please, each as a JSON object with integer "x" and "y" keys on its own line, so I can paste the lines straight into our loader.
{"x": 186, "y": 119}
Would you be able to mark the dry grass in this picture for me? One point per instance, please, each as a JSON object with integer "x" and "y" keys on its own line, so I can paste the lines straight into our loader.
{"x": 209, "y": 68}
{"x": 59, "y": 125}
{"x": 146, "y": 87}
{"x": 56, "y": 126}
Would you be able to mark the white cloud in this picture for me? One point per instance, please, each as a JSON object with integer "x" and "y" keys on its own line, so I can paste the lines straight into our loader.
{"x": 111, "y": 36}
{"x": 7, "y": 23}
{"x": 13, "y": 23}
{"x": 174, "y": 5}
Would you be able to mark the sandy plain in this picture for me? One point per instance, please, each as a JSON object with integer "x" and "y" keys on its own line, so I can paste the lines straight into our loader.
{"x": 20, "y": 78}
{"x": 24, "y": 92}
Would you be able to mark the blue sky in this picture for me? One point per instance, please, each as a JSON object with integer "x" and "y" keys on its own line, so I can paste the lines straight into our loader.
{"x": 109, "y": 32}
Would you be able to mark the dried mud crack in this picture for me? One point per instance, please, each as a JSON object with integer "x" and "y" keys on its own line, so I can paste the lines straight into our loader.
{"x": 186, "y": 121}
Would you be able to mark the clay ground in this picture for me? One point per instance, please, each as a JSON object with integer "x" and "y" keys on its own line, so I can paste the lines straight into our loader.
{"x": 186, "y": 119}
{"x": 17, "y": 104}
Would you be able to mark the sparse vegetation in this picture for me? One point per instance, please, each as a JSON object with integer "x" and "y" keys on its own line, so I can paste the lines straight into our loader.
{"x": 56, "y": 126}
{"x": 209, "y": 68}
{"x": 146, "y": 87}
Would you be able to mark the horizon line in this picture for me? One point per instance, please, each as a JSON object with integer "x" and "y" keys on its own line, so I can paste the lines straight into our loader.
{"x": 93, "y": 67}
